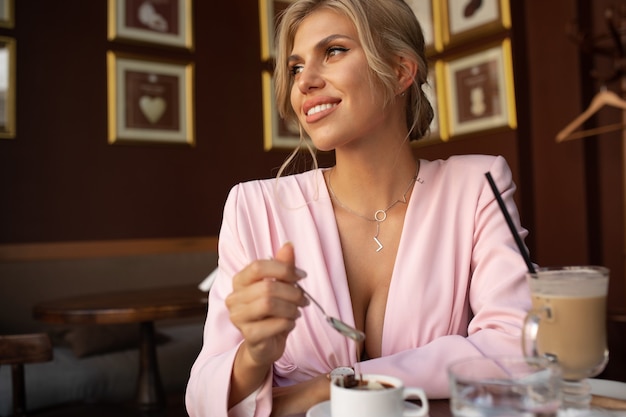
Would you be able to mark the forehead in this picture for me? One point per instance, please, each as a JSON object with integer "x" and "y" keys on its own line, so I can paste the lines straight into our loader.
{"x": 322, "y": 23}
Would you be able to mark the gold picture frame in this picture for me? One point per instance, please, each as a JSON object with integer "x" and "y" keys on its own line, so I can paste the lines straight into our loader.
{"x": 149, "y": 100}
{"x": 7, "y": 88}
{"x": 428, "y": 15}
{"x": 479, "y": 90}
{"x": 7, "y": 13}
{"x": 166, "y": 23}
{"x": 269, "y": 11}
{"x": 464, "y": 20}
{"x": 277, "y": 134}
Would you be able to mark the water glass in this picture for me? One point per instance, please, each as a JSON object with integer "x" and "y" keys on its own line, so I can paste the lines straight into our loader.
{"x": 504, "y": 387}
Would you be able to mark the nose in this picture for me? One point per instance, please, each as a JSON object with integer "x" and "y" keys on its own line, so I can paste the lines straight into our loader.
{"x": 310, "y": 78}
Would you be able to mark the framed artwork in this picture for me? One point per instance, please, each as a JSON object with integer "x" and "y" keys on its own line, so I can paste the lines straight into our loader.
{"x": 468, "y": 19}
{"x": 149, "y": 101}
{"x": 7, "y": 13}
{"x": 277, "y": 134}
{"x": 269, "y": 13}
{"x": 427, "y": 12}
{"x": 479, "y": 90}
{"x": 7, "y": 88}
{"x": 163, "y": 22}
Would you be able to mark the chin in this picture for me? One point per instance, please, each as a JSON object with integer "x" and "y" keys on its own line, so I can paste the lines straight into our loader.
{"x": 322, "y": 146}
{"x": 324, "y": 143}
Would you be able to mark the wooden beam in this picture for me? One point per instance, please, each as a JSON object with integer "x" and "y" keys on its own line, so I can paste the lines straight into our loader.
{"x": 104, "y": 248}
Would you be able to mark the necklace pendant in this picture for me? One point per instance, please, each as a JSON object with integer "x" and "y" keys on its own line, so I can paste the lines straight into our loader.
{"x": 380, "y": 245}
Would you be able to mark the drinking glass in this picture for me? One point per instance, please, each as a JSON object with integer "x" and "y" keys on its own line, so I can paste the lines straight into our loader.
{"x": 567, "y": 325}
{"x": 504, "y": 387}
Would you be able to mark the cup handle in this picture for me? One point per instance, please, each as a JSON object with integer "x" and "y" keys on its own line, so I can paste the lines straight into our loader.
{"x": 529, "y": 333}
{"x": 413, "y": 393}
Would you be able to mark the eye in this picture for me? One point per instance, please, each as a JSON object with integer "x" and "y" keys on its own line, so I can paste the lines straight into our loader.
{"x": 295, "y": 69}
{"x": 335, "y": 50}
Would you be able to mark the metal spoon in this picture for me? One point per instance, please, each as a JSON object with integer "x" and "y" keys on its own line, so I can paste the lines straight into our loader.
{"x": 337, "y": 324}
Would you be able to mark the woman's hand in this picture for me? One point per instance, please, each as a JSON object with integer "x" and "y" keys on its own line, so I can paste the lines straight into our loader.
{"x": 298, "y": 398}
{"x": 264, "y": 306}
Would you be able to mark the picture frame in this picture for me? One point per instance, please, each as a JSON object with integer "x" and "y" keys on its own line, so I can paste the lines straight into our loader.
{"x": 427, "y": 13}
{"x": 464, "y": 20}
{"x": 160, "y": 22}
{"x": 7, "y": 88}
{"x": 7, "y": 13}
{"x": 479, "y": 90}
{"x": 277, "y": 134}
{"x": 149, "y": 100}
{"x": 269, "y": 12}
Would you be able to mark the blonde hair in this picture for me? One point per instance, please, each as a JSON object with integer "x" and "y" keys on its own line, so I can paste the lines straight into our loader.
{"x": 386, "y": 29}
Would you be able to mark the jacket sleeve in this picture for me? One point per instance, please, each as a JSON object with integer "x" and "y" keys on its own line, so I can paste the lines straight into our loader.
{"x": 209, "y": 382}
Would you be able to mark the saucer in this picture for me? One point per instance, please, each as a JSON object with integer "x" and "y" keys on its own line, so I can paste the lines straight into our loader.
{"x": 323, "y": 409}
{"x": 319, "y": 410}
{"x": 607, "y": 388}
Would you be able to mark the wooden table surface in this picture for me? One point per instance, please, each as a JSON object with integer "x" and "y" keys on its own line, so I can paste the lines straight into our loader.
{"x": 134, "y": 306}
{"x": 439, "y": 408}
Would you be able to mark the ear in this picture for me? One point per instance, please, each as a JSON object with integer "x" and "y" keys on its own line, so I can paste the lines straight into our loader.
{"x": 406, "y": 71}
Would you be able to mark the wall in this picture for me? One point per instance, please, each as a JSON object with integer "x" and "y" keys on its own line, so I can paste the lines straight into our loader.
{"x": 59, "y": 178}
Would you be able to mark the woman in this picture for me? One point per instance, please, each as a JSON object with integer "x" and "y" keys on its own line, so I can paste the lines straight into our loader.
{"x": 414, "y": 253}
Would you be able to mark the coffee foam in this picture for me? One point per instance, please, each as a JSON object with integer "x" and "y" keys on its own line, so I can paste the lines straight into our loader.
{"x": 562, "y": 285}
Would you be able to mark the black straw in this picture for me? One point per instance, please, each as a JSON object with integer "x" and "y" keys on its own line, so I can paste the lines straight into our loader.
{"x": 507, "y": 217}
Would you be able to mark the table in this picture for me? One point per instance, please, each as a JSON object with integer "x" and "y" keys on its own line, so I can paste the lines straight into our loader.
{"x": 143, "y": 306}
{"x": 439, "y": 408}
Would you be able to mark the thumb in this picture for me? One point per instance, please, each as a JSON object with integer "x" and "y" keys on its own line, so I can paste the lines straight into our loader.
{"x": 286, "y": 254}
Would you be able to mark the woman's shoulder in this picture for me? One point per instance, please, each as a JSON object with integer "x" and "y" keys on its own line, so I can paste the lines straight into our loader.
{"x": 286, "y": 180}
{"x": 465, "y": 171}
{"x": 300, "y": 183}
{"x": 468, "y": 164}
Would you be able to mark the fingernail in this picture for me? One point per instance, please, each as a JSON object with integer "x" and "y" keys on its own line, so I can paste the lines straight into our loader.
{"x": 300, "y": 273}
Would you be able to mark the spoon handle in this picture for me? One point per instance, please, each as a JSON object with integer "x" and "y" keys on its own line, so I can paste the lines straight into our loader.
{"x": 311, "y": 298}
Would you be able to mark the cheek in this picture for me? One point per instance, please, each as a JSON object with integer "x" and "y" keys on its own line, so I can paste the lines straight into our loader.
{"x": 294, "y": 98}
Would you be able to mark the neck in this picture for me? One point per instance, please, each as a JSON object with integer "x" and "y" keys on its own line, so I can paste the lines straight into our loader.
{"x": 373, "y": 179}
{"x": 365, "y": 190}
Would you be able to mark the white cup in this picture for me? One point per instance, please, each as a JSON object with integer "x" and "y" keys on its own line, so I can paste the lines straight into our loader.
{"x": 382, "y": 402}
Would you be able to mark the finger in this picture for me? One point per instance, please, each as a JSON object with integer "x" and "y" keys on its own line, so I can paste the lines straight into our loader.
{"x": 264, "y": 299}
{"x": 267, "y": 269}
{"x": 286, "y": 254}
{"x": 263, "y": 332}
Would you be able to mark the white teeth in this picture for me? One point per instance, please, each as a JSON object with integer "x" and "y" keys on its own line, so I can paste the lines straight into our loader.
{"x": 319, "y": 108}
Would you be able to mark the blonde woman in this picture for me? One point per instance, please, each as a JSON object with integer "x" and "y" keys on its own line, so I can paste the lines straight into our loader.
{"x": 414, "y": 253}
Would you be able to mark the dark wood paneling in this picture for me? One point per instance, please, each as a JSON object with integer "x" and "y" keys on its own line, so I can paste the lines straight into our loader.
{"x": 59, "y": 178}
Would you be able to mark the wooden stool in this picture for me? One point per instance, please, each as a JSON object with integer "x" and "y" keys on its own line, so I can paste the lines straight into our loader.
{"x": 17, "y": 350}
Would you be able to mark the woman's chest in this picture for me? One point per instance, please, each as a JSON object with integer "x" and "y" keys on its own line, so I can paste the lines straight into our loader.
{"x": 369, "y": 251}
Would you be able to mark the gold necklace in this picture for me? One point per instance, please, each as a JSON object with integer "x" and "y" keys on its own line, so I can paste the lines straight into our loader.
{"x": 379, "y": 215}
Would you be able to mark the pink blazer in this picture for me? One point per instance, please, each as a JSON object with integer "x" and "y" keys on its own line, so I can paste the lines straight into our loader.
{"x": 457, "y": 289}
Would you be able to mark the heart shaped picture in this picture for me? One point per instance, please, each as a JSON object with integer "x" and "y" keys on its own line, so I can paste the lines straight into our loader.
{"x": 152, "y": 107}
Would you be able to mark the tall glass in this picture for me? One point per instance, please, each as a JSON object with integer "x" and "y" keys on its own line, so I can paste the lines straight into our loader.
{"x": 567, "y": 324}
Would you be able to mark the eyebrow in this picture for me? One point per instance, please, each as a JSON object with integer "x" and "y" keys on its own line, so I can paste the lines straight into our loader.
{"x": 322, "y": 44}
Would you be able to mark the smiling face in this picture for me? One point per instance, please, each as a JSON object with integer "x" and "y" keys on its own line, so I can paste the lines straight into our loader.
{"x": 333, "y": 94}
